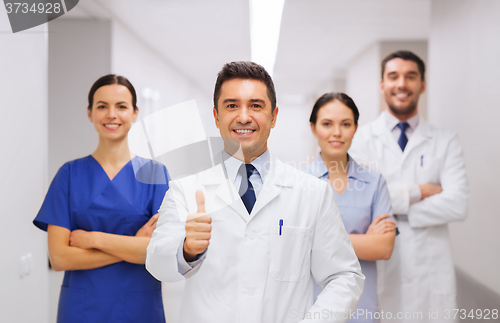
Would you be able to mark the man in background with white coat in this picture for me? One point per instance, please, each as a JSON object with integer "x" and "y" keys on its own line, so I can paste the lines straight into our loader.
{"x": 425, "y": 173}
{"x": 251, "y": 244}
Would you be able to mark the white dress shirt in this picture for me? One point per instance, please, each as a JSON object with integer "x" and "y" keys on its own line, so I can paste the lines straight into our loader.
{"x": 392, "y": 125}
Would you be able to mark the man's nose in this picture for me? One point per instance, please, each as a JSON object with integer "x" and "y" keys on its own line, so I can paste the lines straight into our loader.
{"x": 401, "y": 82}
{"x": 244, "y": 115}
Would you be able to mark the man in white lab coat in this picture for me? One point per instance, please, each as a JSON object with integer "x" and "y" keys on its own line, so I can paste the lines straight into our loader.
{"x": 251, "y": 234}
{"x": 425, "y": 173}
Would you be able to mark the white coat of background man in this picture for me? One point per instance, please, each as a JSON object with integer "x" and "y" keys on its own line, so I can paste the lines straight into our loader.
{"x": 425, "y": 173}
{"x": 253, "y": 259}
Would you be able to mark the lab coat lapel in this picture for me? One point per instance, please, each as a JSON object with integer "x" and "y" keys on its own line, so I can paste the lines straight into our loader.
{"x": 276, "y": 179}
{"x": 217, "y": 183}
{"x": 385, "y": 136}
{"x": 422, "y": 133}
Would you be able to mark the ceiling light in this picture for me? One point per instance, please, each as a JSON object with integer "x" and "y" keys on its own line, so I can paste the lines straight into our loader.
{"x": 265, "y": 23}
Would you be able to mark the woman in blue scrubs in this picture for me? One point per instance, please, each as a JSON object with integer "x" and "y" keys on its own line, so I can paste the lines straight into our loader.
{"x": 361, "y": 195}
{"x": 100, "y": 212}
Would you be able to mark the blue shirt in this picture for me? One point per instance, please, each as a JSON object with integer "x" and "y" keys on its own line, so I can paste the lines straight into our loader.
{"x": 82, "y": 196}
{"x": 365, "y": 197}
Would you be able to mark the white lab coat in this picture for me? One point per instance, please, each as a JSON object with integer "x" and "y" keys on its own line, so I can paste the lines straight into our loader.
{"x": 420, "y": 274}
{"x": 251, "y": 273}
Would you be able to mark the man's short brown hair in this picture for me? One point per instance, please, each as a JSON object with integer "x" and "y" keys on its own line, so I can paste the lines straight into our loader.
{"x": 245, "y": 70}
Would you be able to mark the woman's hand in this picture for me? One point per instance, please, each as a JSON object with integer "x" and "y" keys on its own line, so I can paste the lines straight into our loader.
{"x": 81, "y": 239}
{"x": 149, "y": 227}
{"x": 380, "y": 227}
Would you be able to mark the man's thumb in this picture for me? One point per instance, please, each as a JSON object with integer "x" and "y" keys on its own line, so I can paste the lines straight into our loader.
{"x": 200, "y": 201}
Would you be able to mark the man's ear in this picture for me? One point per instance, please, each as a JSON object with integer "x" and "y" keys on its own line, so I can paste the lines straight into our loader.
{"x": 275, "y": 117}
{"x": 424, "y": 85}
{"x": 216, "y": 117}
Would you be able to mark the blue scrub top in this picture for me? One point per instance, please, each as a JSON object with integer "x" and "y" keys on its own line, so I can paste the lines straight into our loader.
{"x": 82, "y": 196}
{"x": 365, "y": 197}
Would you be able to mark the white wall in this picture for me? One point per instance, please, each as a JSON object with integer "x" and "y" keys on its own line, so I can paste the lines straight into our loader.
{"x": 135, "y": 60}
{"x": 23, "y": 89}
{"x": 464, "y": 96}
{"x": 291, "y": 140}
{"x": 362, "y": 83}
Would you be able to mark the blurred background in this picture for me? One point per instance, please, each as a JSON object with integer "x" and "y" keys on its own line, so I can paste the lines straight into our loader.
{"x": 171, "y": 51}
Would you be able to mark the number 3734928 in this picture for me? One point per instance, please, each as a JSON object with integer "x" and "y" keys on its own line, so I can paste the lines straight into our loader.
{"x": 23, "y": 7}
{"x": 477, "y": 314}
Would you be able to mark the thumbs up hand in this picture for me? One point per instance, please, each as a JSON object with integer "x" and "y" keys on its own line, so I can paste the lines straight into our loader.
{"x": 198, "y": 228}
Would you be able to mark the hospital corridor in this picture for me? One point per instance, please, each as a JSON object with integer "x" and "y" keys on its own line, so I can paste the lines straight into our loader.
{"x": 368, "y": 130}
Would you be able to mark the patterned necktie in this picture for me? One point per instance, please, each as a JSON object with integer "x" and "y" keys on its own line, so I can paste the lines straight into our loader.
{"x": 403, "y": 140}
{"x": 246, "y": 191}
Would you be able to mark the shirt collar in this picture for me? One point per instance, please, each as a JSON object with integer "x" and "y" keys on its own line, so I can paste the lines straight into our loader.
{"x": 318, "y": 169}
{"x": 391, "y": 121}
{"x": 261, "y": 163}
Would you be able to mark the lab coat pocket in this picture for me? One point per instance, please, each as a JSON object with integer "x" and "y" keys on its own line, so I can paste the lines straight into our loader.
{"x": 71, "y": 305}
{"x": 290, "y": 253}
{"x": 428, "y": 170}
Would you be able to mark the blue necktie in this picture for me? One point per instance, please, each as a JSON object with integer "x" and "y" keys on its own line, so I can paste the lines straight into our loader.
{"x": 403, "y": 140}
{"x": 246, "y": 191}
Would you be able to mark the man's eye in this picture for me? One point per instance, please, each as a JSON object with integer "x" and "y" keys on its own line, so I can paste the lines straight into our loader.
{"x": 257, "y": 106}
{"x": 232, "y": 106}
{"x": 101, "y": 106}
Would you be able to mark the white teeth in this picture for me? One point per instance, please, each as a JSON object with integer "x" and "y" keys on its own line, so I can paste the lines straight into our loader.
{"x": 244, "y": 130}
{"x": 111, "y": 126}
{"x": 402, "y": 95}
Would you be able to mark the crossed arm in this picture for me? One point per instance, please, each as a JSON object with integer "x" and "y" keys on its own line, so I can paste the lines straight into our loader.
{"x": 378, "y": 242}
{"x": 79, "y": 250}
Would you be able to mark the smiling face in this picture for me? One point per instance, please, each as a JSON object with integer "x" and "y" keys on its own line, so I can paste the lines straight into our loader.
{"x": 401, "y": 87}
{"x": 334, "y": 129}
{"x": 244, "y": 114}
{"x": 112, "y": 112}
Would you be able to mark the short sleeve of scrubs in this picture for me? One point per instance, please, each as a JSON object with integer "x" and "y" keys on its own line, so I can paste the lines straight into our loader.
{"x": 55, "y": 207}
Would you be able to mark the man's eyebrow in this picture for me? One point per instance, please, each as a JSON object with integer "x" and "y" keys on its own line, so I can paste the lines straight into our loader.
{"x": 230, "y": 100}
{"x": 410, "y": 72}
{"x": 258, "y": 100}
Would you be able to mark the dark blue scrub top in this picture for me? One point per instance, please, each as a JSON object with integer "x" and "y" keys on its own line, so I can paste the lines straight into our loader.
{"x": 82, "y": 196}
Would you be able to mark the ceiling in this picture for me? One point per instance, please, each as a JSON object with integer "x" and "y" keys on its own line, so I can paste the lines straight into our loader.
{"x": 318, "y": 39}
